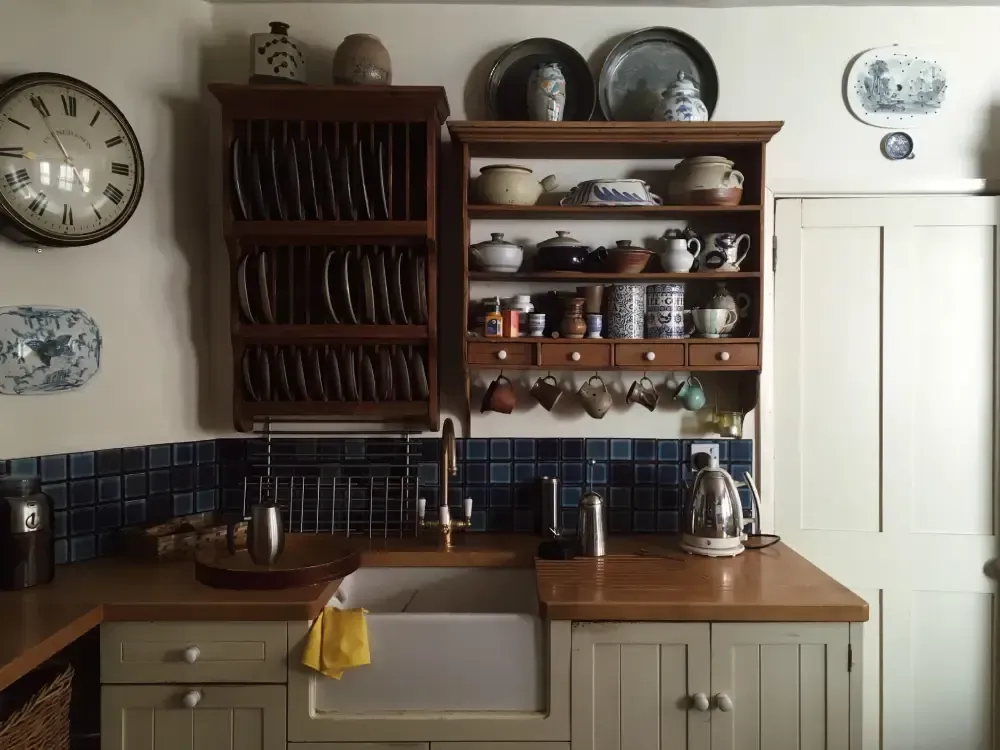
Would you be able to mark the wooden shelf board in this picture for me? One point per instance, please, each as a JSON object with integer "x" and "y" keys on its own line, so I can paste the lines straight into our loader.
{"x": 587, "y": 342}
{"x": 601, "y": 212}
{"x": 328, "y": 333}
{"x": 292, "y": 232}
{"x": 651, "y": 367}
{"x": 646, "y": 133}
{"x": 320, "y": 409}
{"x": 578, "y": 276}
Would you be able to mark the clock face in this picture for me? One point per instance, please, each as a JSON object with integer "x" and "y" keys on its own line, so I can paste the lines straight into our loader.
{"x": 71, "y": 170}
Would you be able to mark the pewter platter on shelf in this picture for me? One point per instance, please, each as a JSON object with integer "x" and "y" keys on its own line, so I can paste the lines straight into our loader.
{"x": 47, "y": 349}
{"x": 643, "y": 65}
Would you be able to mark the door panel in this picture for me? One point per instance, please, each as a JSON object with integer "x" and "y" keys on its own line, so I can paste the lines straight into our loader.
{"x": 882, "y": 307}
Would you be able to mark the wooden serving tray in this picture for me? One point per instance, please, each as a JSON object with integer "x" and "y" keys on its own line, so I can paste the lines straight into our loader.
{"x": 307, "y": 559}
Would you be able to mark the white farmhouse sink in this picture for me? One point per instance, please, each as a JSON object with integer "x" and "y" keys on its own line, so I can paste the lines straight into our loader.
{"x": 442, "y": 640}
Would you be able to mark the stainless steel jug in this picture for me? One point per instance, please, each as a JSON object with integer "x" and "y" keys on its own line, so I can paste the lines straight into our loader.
{"x": 590, "y": 525}
{"x": 265, "y": 534}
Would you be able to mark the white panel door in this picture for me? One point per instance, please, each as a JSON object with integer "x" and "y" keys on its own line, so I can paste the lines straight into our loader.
{"x": 885, "y": 400}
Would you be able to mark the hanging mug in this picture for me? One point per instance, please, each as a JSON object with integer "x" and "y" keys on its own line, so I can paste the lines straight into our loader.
{"x": 596, "y": 399}
{"x": 546, "y": 391}
{"x": 643, "y": 392}
{"x": 500, "y": 396}
{"x": 691, "y": 395}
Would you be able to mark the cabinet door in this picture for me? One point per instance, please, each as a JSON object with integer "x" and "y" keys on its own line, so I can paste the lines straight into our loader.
{"x": 780, "y": 686}
{"x": 640, "y": 686}
{"x": 154, "y": 717}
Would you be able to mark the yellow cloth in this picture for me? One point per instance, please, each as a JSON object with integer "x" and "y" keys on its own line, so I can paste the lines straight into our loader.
{"x": 338, "y": 640}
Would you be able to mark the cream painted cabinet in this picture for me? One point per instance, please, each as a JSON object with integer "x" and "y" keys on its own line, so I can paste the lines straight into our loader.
{"x": 192, "y": 717}
{"x": 696, "y": 686}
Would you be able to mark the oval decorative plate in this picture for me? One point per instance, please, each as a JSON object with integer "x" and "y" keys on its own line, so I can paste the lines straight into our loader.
{"x": 892, "y": 86}
{"x": 47, "y": 349}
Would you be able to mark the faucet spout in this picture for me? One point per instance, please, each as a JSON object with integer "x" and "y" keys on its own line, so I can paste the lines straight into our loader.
{"x": 449, "y": 462}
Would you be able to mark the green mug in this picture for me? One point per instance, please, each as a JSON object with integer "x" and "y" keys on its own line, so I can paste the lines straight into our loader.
{"x": 691, "y": 394}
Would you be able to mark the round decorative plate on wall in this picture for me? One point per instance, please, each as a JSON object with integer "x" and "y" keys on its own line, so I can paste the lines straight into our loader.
{"x": 71, "y": 169}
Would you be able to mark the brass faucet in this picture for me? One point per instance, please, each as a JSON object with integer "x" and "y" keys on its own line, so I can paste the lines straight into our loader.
{"x": 449, "y": 468}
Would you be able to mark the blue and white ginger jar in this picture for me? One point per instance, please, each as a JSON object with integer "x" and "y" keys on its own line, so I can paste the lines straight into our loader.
{"x": 681, "y": 103}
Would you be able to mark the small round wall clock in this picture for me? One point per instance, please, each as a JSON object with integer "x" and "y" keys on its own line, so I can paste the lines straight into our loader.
{"x": 71, "y": 169}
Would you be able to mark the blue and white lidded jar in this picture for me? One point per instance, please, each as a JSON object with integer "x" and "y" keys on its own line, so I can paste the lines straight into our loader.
{"x": 681, "y": 103}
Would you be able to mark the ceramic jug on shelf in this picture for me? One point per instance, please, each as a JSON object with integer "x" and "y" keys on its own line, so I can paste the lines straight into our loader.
{"x": 679, "y": 253}
{"x": 739, "y": 303}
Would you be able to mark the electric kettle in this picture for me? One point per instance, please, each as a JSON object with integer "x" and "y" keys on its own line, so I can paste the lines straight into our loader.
{"x": 712, "y": 522}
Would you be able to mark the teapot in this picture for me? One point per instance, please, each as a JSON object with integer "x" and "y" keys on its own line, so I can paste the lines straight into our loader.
{"x": 679, "y": 253}
{"x": 512, "y": 185}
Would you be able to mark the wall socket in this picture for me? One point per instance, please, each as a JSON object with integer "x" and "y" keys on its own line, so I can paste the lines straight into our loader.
{"x": 711, "y": 449}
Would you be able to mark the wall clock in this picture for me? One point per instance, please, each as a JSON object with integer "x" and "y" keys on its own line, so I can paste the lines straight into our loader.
{"x": 71, "y": 169}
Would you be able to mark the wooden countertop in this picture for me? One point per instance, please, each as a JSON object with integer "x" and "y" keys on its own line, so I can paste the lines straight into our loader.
{"x": 774, "y": 584}
{"x": 769, "y": 585}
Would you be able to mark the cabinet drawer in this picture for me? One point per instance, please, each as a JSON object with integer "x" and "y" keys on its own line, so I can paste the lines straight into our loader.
{"x": 638, "y": 355}
{"x": 136, "y": 652}
{"x": 576, "y": 355}
{"x": 724, "y": 355}
{"x": 500, "y": 353}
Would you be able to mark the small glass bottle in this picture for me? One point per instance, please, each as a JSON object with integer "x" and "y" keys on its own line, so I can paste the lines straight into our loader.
{"x": 494, "y": 320}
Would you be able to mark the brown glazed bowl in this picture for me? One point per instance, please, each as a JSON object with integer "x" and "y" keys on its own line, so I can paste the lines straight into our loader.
{"x": 627, "y": 259}
{"x": 715, "y": 197}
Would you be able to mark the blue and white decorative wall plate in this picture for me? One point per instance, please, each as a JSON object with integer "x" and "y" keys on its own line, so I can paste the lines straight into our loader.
{"x": 890, "y": 87}
{"x": 47, "y": 349}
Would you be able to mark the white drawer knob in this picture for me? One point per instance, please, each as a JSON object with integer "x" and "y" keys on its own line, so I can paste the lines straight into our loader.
{"x": 724, "y": 356}
{"x": 725, "y": 702}
{"x": 502, "y": 354}
{"x": 700, "y": 701}
{"x": 649, "y": 357}
{"x": 191, "y": 654}
{"x": 191, "y": 698}
{"x": 575, "y": 356}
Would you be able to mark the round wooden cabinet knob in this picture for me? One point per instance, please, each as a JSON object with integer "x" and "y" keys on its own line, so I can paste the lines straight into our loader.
{"x": 724, "y": 702}
{"x": 191, "y": 698}
{"x": 724, "y": 356}
{"x": 191, "y": 654}
{"x": 502, "y": 354}
{"x": 649, "y": 356}
{"x": 575, "y": 356}
{"x": 700, "y": 701}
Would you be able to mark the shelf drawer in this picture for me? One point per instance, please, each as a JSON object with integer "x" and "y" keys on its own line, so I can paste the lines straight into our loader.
{"x": 638, "y": 355}
{"x": 194, "y": 652}
{"x": 724, "y": 355}
{"x": 500, "y": 353}
{"x": 576, "y": 355}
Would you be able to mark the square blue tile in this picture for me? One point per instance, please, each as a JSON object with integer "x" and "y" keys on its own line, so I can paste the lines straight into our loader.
{"x": 59, "y": 494}
{"x": 60, "y": 522}
{"x": 134, "y": 459}
{"x": 598, "y": 473}
{"x": 746, "y": 500}
{"x": 204, "y": 451}
{"x": 645, "y": 473}
{"x": 480, "y": 496}
{"x": 741, "y": 450}
{"x": 621, "y": 449}
{"x": 232, "y": 500}
{"x": 644, "y": 498}
{"x": 476, "y": 473}
{"x": 524, "y": 472}
{"x": 620, "y": 521}
{"x": 81, "y": 521}
{"x": 724, "y": 450}
{"x": 644, "y": 522}
{"x": 204, "y": 500}
{"x": 501, "y": 519}
{"x": 134, "y": 511}
{"x": 207, "y": 476}
{"x": 668, "y": 450}
{"x": 500, "y": 497}
{"x": 432, "y": 498}
{"x": 183, "y": 454}
{"x": 548, "y": 470}
{"x": 524, "y": 449}
{"x": 644, "y": 449}
{"x": 668, "y": 474}
{"x": 567, "y": 521}
{"x": 428, "y": 449}
{"x": 159, "y": 456}
{"x": 234, "y": 449}
{"x": 183, "y": 503}
{"x": 478, "y": 520}
{"x": 547, "y": 449}
{"x": 82, "y": 548}
{"x": 668, "y": 498}
{"x": 501, "y": 449}
{"x": 181, "y": 478}
{"x": 27, "y": 467}
{"x": 53, "y": 468}
{"x": 109, "y": 462}
{"x": 597, "y": 449}
{"x": 109, "y": 489}
{"x": 428, "y": 473}
{"x": 668, "y": 521}
{"x": 62, "y": 551}
{"x": 161, "y": 507}
{"x": 354, "y": 449}
{"x": 82, "y": 492}
{"x": 737, "y": 470}
{"x": 572, "y": 472}
{"x": 572, "y": 449}
{"x": 109, "y": 516}
{"x": 159, "y": 481}
{"x": 108, "y": 544}
{"x": 476, "y": 449}
{"x": 135, "y": 484}
{"x": 524, "y": 520}
{"x": 569, "y": 496}
{"x": 501, "y": 473}
{"x": 620, "y": 497}
{"x": 622, "y": 473}
{"x": 81, "y": 465}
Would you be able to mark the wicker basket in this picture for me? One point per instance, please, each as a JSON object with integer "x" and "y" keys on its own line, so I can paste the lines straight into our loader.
{"x": 42, "y": 722}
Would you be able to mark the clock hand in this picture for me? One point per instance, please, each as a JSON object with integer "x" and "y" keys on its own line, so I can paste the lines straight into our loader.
{"x": 69, "y": 160}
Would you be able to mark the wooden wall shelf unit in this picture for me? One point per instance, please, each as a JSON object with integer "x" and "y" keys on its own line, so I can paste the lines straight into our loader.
{"x": 742, "y": 142}
{"x": 330, "y": 219}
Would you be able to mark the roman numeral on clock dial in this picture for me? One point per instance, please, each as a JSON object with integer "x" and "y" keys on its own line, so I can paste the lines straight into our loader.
{"x": 119, "y": 168}
{"x": 112, "y": 142}
{"x": 113, "y": 194}
{"x": 69, "y": 104}
{"x": 67, "y": 214}
{"x": 38, "y": 103}
{"x": 38, "y": 205}
{"x": 17, "y": 180}
{"x": 12, "y": 152}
